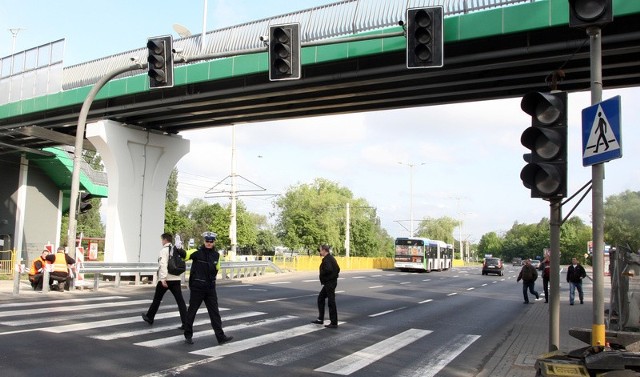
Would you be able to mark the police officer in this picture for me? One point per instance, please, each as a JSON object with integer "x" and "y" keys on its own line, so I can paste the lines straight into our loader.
{"x": 202, "y": 283}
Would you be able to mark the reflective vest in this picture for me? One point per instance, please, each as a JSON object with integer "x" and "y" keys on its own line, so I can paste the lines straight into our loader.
{"x": 60, "y": 264}
{"x": 33, "y": 270}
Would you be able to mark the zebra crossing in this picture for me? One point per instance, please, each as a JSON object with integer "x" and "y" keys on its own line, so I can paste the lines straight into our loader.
{"x": 117, "y": 318}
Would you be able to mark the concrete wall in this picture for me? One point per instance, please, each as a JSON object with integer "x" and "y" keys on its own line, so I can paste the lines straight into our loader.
{"x": 10, "y": 168}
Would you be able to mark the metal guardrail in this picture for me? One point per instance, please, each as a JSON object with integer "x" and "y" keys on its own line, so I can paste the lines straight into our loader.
{"x": 228, "y": 270}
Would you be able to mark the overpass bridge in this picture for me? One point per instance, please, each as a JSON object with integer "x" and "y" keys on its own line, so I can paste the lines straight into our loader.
{"x": 492, "y": 49}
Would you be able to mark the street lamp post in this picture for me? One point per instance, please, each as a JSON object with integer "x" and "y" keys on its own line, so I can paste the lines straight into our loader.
{"x": 411, "y": 165}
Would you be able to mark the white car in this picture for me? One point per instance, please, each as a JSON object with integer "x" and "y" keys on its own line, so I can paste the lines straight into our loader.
{"x": 535, "y": 263}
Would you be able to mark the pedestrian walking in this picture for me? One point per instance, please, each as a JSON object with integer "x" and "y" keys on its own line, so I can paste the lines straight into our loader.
{"x": 545, "y": 267}
{"x": 329, "y": 271}
{"x": 528, "y": 274}
{"x": 575, "y": 274}
{"x": 167, "y": 282}
{"x": 202, "y": 284}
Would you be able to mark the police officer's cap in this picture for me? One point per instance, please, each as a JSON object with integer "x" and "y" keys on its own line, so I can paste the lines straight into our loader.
{"x": 209, "y": 236}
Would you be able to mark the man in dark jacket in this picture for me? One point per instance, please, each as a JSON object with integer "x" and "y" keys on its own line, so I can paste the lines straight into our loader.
{"x": 202, "y": 284}
{"x": 528, "y": 274}
{"x": 329, "y": 271}
{"x": 545, "y": 267}
{"x": 575, "y": 274}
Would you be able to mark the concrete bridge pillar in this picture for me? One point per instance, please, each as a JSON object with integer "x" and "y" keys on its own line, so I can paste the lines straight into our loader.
{"x": 138, "y": 165}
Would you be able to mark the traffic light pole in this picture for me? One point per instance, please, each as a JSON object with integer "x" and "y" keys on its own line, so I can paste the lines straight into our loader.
{"x": 597, "y": 206}
{"x": 77, "y": 153}
{"x": 555, "y": 216}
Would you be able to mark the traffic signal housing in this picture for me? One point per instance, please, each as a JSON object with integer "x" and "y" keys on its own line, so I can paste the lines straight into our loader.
{"x": 546, "y": 171}
{"x": 585, "y": 13}
{"x": 160, "y": 59}
{"x": 284, "y": 52}
{"x": 424, "y": 37}
{"x": 85, "y": 202}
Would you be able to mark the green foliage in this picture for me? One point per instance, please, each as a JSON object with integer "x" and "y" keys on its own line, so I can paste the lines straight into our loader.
{"x": 313, "y": 214}
{"x": 490, "y": 243}
{"x": 622, "y": 225}
{"x": 438, "y": 229}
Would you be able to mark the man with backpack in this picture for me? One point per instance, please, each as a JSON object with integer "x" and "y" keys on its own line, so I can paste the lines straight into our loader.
{"x": 167, "y": 281}
{"x": 528, "y": 274}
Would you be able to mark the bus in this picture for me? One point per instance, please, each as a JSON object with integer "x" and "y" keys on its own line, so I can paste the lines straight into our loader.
{"x": 422, "y": 254}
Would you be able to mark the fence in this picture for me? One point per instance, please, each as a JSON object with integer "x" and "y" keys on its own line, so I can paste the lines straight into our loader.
{"x": 312, "y": 263}
{"x": 7, "y": 261}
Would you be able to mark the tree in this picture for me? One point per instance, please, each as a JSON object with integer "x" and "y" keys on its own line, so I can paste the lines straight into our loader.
{"x": 313, "y": 214}
{"x": 491, "y": 244}
{"x": 622, "y": 225}
{"x": 174, "y": 222}
{"x": 438, "y": 229}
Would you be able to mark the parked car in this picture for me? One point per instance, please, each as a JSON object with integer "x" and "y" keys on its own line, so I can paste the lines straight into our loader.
{"x": 492, "y": 266}
{"x": 535, "y": 263}
{"x": 517, "y": 261}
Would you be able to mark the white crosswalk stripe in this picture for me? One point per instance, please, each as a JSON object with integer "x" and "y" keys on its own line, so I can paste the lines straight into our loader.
{"x": 210, "y": 333}
{"x": 122, "y": 322}
{"x": 362, "y": 358}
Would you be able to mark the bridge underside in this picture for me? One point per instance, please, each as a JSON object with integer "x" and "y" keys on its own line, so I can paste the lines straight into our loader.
{"x": 489, "y": 68}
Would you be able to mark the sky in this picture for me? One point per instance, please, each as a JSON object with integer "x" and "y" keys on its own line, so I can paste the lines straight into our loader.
{"x": 466, "y": 157}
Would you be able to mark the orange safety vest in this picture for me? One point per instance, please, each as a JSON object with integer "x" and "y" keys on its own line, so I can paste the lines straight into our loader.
{"x": 60, "y": 264}
{"x": 33, "y": 270}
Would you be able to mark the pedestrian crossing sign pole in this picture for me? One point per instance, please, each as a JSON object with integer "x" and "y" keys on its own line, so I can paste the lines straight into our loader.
{"x": 601, "y": 138}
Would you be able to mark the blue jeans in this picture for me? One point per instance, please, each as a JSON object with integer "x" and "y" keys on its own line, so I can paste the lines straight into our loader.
{"x": 530, "y": 286}
{"x": 572, "y": 292}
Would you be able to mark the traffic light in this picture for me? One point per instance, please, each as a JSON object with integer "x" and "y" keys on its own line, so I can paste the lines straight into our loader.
{"x": 160, "y": 60}
{"x": 546, "y": 170}
{"x": 424, "y": 37}
{"x": 284, "y": 52}
{"x": 85, "y": 203}
{"x": 584, "y": 13}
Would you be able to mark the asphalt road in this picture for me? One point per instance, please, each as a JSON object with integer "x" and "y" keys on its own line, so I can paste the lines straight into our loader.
{"x": 392, "y": 324}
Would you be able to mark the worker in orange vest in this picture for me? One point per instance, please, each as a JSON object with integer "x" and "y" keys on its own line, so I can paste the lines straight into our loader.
{"x": 61, "y": 262}
{"x": 37, "y": 270}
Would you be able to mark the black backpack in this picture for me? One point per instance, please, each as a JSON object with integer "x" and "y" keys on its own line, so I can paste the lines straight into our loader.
{"x": 176, "y": 265}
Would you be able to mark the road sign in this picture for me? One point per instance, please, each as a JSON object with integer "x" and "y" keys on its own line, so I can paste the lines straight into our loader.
{"x": 601, "y": 138}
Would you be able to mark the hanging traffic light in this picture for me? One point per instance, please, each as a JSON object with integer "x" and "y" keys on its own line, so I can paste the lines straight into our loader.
{"x": 424, "y": 37}
{"x": 546, "y": 171}
{"x": 160, "y": 60}
{"x": 85, "y": 202}
{"x": 284, "y": 52}
{"x": 585, "y": 13}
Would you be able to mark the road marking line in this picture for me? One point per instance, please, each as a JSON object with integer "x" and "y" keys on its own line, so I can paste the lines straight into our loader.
{"x": 359, "y": 277}
{"x": 284, "y": 298}
{"x": 176, "y": 371}
{"x": 66, "y": 308}
{"x": 470, "y": 289}
{"x": 485, "y": 284}
{"x": 441, "y": 357}
{"x": 427, "y": 280}
{"x": 210, "y": 333}
{"x": 362, "y": 358}
{"x": 107, "y": 322}
{"x": 70, "y": 317}
{"x": 155, "y": 329}
{"x": 425, "y": 301}
{"x": 280, "y": 282}
{"x": 257, "y": 341}
{"x": 452, "y": 294}
{"x": 67, "y": 301}
{"x": 376, "y": 286}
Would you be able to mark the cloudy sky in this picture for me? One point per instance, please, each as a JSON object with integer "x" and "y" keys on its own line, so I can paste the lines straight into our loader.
{"x": 467, "y": 157}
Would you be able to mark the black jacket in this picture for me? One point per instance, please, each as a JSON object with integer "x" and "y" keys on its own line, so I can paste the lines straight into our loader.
{"x": 329, "y": 270}
{"x": 204, "y": 268}
{"x": 576, "y": 274}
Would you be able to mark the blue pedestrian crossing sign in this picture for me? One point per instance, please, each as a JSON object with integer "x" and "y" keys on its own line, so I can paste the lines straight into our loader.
{"x": 601, "y": 138}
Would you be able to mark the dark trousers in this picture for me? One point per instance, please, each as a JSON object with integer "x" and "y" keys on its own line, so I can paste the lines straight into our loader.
{"x": 210, "y": 298}
{"x": 328, "y": 292}
{"x": 545, "y": 286}
{"x": 176, "y": 290}
{"x": 528, "y": 285}
{"x": 63, "y": 279}
{"x": 36, "y": 282}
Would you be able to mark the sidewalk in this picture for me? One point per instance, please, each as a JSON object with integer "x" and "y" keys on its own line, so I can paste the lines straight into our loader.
{"x": 518, "y": 353}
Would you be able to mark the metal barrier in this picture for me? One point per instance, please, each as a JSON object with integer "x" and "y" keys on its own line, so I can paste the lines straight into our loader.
{"x": 228, "y": 270}
{"x": 117, "y": 269}
{"x": 233, "y": 270}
